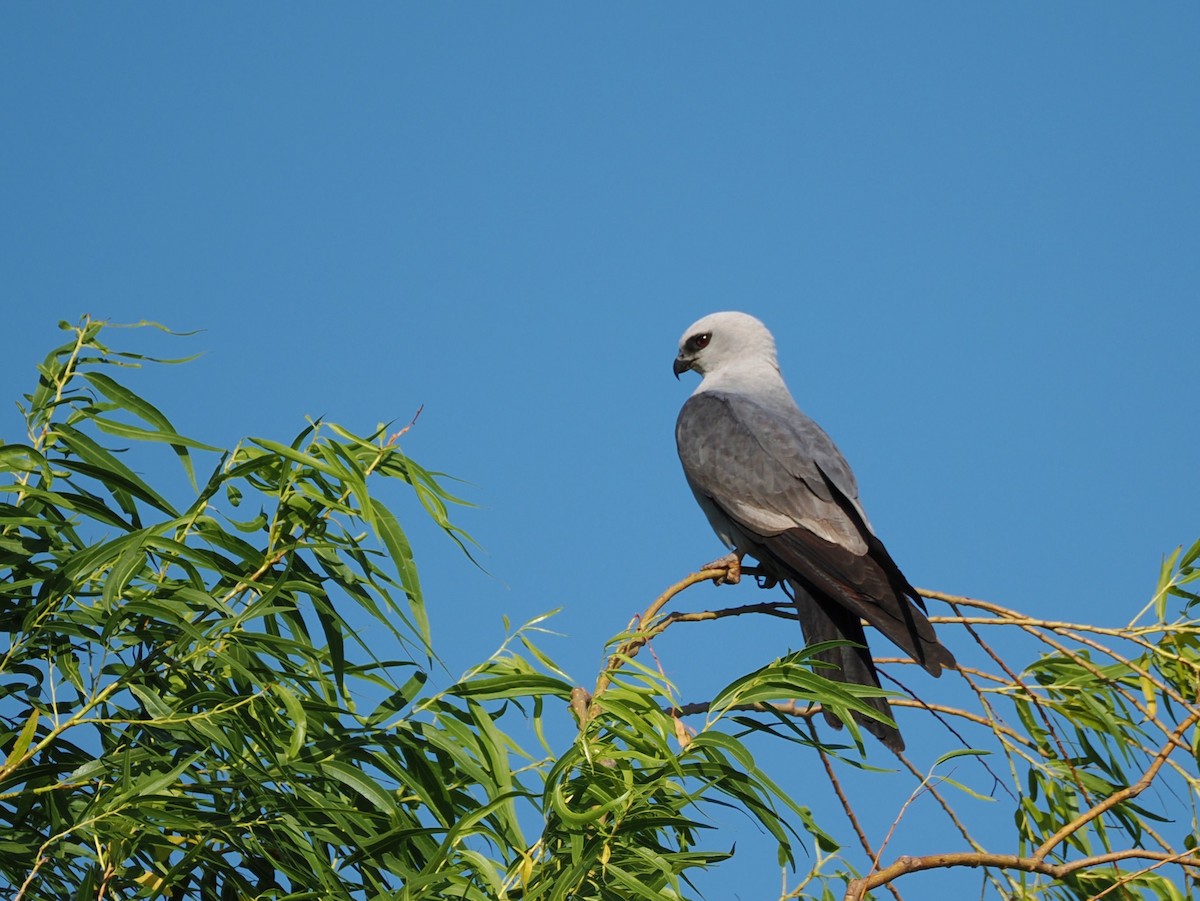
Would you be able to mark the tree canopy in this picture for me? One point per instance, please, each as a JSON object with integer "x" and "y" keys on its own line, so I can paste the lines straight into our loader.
{"x": 231, "y": 694}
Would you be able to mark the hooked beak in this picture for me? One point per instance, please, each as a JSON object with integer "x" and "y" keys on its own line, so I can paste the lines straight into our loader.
{"x": 681, "y": 366}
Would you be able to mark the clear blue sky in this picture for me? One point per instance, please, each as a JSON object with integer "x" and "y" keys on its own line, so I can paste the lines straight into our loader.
{"x": 973, "y": 228}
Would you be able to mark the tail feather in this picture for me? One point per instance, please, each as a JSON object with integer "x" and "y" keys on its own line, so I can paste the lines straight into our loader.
{"x": 850, "y": 664}
{"x": 867, "y": 586}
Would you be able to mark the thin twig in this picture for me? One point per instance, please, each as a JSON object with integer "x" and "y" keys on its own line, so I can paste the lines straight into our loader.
{"x": 857, "y": 888}
{"x": 847, "y": 808}
{"x": 1174, "y": 741}
{"x": 1036, "y": 863}
{"x": 630, "y": 647}
{"x": 400, "y": 434}
{"x": 1019, "y": 747}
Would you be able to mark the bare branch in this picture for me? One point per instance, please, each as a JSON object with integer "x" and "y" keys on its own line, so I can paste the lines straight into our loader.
{"x": 1124, "y": 794}
{"x": 1036, "y": 863}
{"x": 847, "y": 808}
{"x": 857, "y": 888}
{"x": 987, "y": 686}
{"x": 400, "y": 434}
{"x": 631, "y": 646}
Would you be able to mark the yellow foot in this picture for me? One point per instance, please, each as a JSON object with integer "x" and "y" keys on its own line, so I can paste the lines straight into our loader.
{"x": 732, "y": 564}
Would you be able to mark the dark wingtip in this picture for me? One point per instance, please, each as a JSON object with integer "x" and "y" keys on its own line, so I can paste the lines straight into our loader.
{"x": 939, "y": 658}
{"x": 889, "y": 736}
{"x": 892, "y": 741}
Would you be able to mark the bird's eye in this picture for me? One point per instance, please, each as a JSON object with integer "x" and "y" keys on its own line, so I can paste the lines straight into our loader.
{"x": 699, "y": 342}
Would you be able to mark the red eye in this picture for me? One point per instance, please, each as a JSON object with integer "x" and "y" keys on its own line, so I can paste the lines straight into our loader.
{"x": 699, "y": 342}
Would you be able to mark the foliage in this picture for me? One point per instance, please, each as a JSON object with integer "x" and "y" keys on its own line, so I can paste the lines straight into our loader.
{"x": 182, "y": 688}
{"x": 234, "y": 695}
{"x": 192, "y": 707}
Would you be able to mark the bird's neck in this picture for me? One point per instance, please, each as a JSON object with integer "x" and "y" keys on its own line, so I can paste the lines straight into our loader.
{"x": 760, "y": 378}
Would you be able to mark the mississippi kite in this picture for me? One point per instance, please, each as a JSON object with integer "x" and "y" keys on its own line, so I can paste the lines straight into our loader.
{"x": 774, "y": 487}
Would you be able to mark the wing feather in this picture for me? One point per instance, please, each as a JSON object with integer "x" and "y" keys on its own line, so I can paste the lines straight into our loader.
{"x": 792, "y": 502}
{"x": 761, "y": 468}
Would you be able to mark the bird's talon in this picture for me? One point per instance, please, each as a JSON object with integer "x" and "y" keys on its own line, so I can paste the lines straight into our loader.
{"x": 732, "y": 564}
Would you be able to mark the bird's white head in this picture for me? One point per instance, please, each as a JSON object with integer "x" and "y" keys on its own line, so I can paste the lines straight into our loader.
{"x": 727, "y": 344}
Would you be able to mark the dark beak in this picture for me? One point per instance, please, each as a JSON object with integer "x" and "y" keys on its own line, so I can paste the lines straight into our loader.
{"x": 681, "y": 366}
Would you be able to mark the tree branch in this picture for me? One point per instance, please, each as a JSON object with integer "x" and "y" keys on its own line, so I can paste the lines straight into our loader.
{"x": 1124, "y": 794}
{"x": 1058, "y": 636}
{"x": 1036, "y": 863}
{"x": 630, "y": 647}
{"x": 857, "y": 888}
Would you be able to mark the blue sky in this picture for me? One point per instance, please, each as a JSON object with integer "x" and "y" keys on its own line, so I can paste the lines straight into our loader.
{"x": 974, "y": 230}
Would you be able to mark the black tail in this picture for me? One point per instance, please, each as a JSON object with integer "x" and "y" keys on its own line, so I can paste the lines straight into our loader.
{"x": 823, "y": 621}
{"x": 867, "y": 586}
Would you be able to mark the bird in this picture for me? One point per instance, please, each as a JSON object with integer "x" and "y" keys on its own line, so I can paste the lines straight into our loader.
{"x": 774, "y": 487}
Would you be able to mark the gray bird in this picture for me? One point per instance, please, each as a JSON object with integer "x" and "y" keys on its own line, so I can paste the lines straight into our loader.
{"x": 774, "y": 487}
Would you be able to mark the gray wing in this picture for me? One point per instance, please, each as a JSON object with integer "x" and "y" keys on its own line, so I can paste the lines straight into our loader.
{"x": 769, "y": 472}
{"x": 793, "y": 504}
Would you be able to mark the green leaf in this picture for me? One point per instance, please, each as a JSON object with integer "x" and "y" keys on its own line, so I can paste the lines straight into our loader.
{"x": 114, "y": 474}
{"x": 297, "y": 717}
{"x": 17, "y": 753}
{"x": 162, "y": 429}
{"x": 295, "y": 456}
{"x": 960, "y": 752}
{"x": 591, "y": 814}
{"x": 130, "y": 561}
{"x": 516, "y": 685}
{"x": 152, "y": 784}
{"x": 394, "y": 539}
{"x": 358, "y": 782}
{"x": 21, "y": 458}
